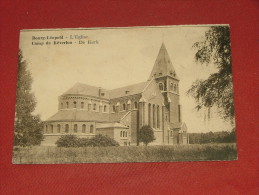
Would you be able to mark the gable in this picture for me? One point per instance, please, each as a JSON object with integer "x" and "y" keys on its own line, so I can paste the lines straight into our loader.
{"x": 152, "y": 93}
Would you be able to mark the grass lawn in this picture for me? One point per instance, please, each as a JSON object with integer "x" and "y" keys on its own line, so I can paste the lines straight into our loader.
{"x": 192, "y": 152}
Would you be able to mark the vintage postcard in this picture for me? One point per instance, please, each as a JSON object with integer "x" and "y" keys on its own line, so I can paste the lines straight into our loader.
{"x": 133, "y": 94}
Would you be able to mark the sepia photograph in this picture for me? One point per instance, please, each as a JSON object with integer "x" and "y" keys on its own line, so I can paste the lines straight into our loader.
{"x": 126, "y": 94}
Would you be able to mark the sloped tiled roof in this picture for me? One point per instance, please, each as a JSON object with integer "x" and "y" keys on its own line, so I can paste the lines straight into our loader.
{"x": 83, "y": 89}
{"x": 79, "y": 115}
{"x": 117, "y": 116}
{"x": 163, "y": 65}
{"x": 131, "y": 90}
{"x": 113, "y": 125}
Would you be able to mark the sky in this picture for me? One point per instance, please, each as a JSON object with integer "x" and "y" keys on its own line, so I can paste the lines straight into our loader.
{"x": 119, "y": 57}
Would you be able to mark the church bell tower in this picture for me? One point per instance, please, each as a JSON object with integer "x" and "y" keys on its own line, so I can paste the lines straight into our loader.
{"x": 168, "y": 82}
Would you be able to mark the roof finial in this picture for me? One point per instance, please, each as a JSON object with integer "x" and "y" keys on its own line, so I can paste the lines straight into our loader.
{"x": 163, "y": 38}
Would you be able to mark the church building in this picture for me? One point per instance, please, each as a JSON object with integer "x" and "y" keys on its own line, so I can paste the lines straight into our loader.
{"x": 86, "y": 111}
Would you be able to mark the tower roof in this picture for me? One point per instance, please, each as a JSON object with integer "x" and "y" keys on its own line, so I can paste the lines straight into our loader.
{"x": 163, "y": 65}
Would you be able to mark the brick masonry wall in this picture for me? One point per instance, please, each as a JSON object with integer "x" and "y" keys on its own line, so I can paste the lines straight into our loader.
{"x": 47, "y": 127}
{"x": 120, "y": 139}
{"x": 106, "y": 131}
{"x": 134, "y": 126}
{"x": 124, "y": 100}
{"x": 174, "y": 108}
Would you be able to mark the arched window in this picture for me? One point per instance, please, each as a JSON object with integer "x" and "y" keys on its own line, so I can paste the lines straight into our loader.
{"x": 154, "y": 116}
{"x": 179, "y": 113}
{"x": 51, "y": 128}
{"x": 75, "y": 128}
{"x": 171, "y": 87}
{"x": 67, "y": 128}
{"x": 149, "y": 114}
{"x": 58, "y": 128}
{"x": 83, "y": 128}
{"x": 113, "y": 108}
{"x": 91, "y": 129}
{"x": 61, "y": 105}
{"x": 161, "y": 86}
{"x": 123, "y": 106}
{"x": 67, "y": 103}
{"x": 82, "y": 104}
{"x": 174, "y": 87}
{"x": 94, "y": 107}
{"x": 128, "y": 104}
{"x": 163, "y": 117}
{"x": 158, "y": 117}
{"x": 74, "y": 104}
{"x": 136, "y": 105}
{"x": 104, "y": 108}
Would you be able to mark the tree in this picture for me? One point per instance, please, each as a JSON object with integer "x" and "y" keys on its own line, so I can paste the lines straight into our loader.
{"x": 146, "y": 135}
{"x": 217, "y": 89}
{"x": 213, "y": 137}
{"x": 28, "y": 128}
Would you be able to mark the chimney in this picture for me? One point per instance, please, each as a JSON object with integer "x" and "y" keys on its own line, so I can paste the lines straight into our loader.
{"x": 100, "y": 89}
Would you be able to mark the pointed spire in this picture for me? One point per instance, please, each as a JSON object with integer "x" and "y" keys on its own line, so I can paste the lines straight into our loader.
{"x": 163, "y": 65}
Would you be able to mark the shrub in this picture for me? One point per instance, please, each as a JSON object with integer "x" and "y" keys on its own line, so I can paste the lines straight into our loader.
{"x": 96, "y": 141}
{"x": 102, "y": 141}
{"x": 68, "y": 141}
{"x": 84, "y": 142}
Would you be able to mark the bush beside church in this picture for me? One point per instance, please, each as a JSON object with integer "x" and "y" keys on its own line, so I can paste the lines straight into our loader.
{"x": 96, "y": 141}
